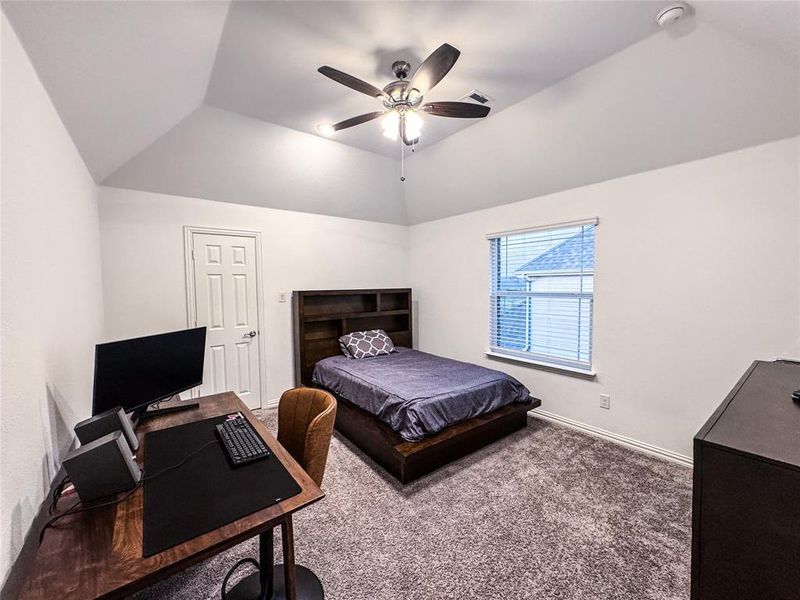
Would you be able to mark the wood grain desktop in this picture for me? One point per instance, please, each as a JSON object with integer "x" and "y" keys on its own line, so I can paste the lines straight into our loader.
{"x": 98, "y": 554}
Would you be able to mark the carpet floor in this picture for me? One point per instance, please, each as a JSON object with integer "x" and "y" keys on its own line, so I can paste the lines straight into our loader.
{"x": 546, "y": 513}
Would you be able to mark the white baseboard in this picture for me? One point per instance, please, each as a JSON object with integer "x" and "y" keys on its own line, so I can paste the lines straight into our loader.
{"x": 272, "y": 403}
{"x": 662, "y": 453}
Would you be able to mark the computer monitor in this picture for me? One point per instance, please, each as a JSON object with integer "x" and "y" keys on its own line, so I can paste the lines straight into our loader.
{"x": 137, "y": 372}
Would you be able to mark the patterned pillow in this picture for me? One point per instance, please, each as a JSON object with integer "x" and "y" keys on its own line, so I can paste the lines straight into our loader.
{"x": 362, "y": 344}
{"x": 343, "y": 348}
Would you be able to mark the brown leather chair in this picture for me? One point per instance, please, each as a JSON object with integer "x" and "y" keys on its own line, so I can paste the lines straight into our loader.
{"x": 305, "y": 426}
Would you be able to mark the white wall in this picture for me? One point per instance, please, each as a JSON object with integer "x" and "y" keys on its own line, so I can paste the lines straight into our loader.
{"x": 52, "y": 309}
{"x": 696, "y": 276}
{"x": 143, "y": 263}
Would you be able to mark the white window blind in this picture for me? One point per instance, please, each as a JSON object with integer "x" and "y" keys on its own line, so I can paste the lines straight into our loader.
{"x": 541, "y": 294}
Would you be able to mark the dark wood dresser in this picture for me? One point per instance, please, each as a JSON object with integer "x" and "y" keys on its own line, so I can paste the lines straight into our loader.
{"x": 746, "y": 507}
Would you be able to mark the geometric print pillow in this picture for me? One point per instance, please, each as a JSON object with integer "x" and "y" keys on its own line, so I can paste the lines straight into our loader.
{"x": 344, "y": 349}
{"x": 363, "y": 344}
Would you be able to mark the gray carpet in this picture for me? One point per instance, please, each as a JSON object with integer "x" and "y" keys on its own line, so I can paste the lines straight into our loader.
{"x": 547, "y": 513}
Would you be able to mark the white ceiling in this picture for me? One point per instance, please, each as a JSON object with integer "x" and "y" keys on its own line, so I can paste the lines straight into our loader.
{"x": 768, "y": 25}
{"x": 120, "y": 74}
{"x": 220, "y": 155}
{"x": 674, "y": 97}
{"x": 137, "y": 80}
{"x": 269, "y": 53}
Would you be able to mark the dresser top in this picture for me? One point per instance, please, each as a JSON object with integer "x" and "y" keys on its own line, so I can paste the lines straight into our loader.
{"x": 759, "y": 416}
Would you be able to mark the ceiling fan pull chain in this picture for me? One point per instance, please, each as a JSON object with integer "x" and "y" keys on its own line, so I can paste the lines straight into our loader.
{"x": 402, "y": 162}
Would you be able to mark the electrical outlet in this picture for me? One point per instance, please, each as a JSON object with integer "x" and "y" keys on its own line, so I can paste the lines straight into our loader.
{"x": 282, "y": 296}
{"x": 605, "y": 401}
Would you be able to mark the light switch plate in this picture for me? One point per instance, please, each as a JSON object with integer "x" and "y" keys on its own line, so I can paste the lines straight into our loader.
{"x": 282, "y": 296}
{"x": 605, "y": 401}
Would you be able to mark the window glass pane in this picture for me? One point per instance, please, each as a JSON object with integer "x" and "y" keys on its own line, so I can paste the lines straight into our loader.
{"x": 542, "y": 294}
{"x": 512, "y": 327}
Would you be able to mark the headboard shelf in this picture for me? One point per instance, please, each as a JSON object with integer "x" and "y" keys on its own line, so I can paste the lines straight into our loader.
{"x": 356, "y": 315}
{"x": 322, "y": 316}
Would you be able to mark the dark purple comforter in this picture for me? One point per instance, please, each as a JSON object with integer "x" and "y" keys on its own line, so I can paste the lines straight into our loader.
{"x": 418, "y": 394}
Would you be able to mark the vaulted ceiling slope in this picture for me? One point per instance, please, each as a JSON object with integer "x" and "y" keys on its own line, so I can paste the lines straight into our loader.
{"x": 219, "y": 99}
{"x": 120, "y": 74}
{"x": 221, "y": 155}
{"x": 269, "y": 53}
{"x": 665, "y": 100}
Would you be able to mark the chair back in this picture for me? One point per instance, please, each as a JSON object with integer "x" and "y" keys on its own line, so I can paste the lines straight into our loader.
{"x": 305, "y": 425}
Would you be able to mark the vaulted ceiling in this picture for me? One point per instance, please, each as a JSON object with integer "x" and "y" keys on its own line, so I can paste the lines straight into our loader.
{"x": 269, "y": 52}
{"x": 184, "y": 97}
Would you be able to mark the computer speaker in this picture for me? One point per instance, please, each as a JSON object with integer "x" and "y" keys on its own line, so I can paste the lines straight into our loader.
{"x": 102, "y": 467}
{"x": 107, "y": 422}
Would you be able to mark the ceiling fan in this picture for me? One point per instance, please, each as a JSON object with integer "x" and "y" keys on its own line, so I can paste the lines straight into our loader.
{"x": 402, "y": 98}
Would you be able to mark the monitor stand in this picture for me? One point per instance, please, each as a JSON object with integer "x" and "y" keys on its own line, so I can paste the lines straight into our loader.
{"x": 170, "y": 405}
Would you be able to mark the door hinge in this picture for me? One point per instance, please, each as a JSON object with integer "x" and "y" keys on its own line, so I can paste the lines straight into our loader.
{"x": 192, "y": 254}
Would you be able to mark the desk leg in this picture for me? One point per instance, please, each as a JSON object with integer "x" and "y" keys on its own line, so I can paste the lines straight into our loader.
{"x": 278, "y": 582}
{"x": 266, "y": 559}
{"x": 287, "y": 537}
{"x": 260, "y": 585}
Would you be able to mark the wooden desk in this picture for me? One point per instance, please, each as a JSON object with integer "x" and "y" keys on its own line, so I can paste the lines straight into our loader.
{"x": 98, "y": 554}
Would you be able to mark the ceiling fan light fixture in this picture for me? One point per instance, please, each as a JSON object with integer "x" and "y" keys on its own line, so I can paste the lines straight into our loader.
{"x": 402, "y": 99}
{"x": 326, "y": 129}
{"x": 413, "y": 124}
{"x": 391, "y": 124}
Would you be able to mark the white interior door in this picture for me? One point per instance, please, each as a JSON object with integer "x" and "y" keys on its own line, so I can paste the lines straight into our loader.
{"x": 226, "y": 302}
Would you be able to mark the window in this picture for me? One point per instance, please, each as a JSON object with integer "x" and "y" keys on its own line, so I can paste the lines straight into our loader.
{"x": 541, "y": 295}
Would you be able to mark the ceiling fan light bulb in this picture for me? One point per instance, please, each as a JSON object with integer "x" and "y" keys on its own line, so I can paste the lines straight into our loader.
{"x": 412, "y": 134}
{"x": 326, "y": 129}
{"x": 413, "y": 125}
{"x": 391, "y": 125}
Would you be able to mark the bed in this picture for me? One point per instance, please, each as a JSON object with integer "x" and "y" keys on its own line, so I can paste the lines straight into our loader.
{"x": 409, "y": 411}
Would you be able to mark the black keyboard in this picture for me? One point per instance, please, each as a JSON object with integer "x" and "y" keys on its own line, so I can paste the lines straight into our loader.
{"x": 241, "y": 441}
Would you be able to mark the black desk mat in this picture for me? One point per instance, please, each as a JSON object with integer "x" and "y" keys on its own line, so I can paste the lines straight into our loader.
{"x": 206, "y": 492}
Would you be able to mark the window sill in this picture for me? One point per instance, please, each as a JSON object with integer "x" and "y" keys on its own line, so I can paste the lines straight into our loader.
{"x": 529, "y": 362}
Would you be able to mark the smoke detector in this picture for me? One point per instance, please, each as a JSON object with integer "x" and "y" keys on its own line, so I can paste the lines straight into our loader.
{"x": 671, "y": 13}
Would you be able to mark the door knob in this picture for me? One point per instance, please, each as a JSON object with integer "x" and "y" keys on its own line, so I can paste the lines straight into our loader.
{"x": 252, "y": 334}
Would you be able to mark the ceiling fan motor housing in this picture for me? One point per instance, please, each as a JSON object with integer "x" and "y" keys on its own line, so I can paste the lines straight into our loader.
{"x": 397, "y": 92}
{"x": 400, "y": 68}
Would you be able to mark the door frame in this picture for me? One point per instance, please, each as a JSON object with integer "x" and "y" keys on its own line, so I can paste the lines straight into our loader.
{"x": 191, "y": 301}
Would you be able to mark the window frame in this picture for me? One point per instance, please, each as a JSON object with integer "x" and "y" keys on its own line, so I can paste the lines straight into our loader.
{"x": 533, "y": 359}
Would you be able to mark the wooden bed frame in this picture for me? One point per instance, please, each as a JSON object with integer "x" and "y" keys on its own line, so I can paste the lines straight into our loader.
{"x": 321, "y": 317}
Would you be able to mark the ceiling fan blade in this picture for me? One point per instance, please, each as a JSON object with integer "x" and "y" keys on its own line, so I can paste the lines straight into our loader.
{"x": 353, "y": 121}
{"x": 434, "y": 68}
{"x": 459, "y": 110}
{"x": 353, "y": 83}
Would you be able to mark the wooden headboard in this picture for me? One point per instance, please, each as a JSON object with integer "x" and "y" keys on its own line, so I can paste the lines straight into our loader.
{"x": 322, "y": 316}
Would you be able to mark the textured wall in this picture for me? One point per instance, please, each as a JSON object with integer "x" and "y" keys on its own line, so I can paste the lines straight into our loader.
{"x": 695, "y": 277}
{"x": 143, "y": 263}
{"x": 52, "y": 311}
